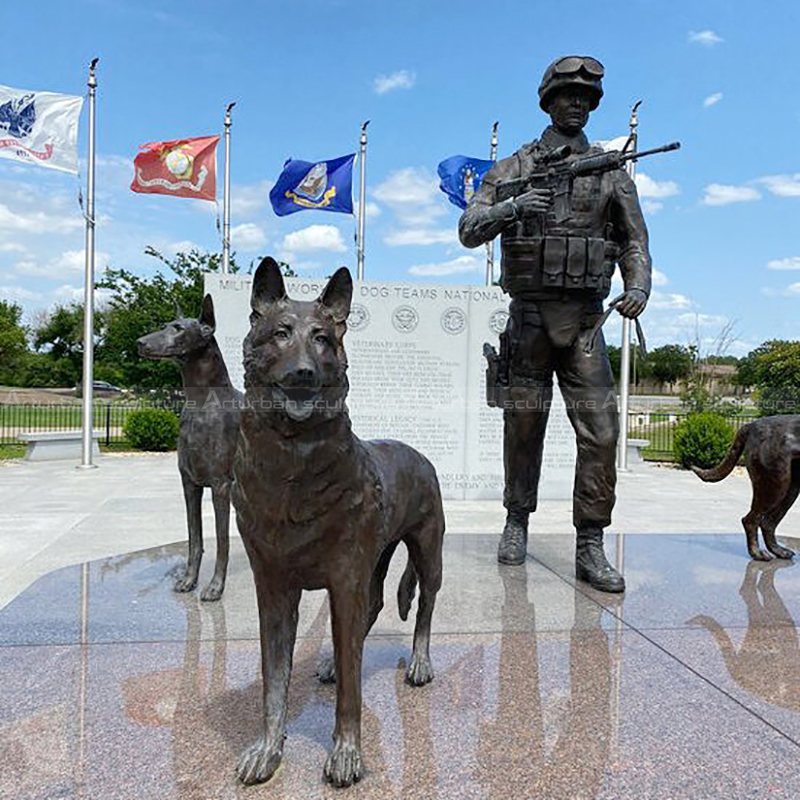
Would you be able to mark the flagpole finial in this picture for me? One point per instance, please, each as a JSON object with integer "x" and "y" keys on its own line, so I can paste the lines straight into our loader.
{"x": 364, "y": 132}
{"x": 228, "y": 112}
{"x": 635, "y": 115}
{"x": 92, "y": 67}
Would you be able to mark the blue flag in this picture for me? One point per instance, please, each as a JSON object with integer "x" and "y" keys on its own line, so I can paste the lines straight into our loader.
{"x": 461, "y": 176}
{"x": 323, "y": 185}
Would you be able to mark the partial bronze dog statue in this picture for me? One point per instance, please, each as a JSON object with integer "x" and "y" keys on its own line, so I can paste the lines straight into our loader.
{"x": 208, "y": 434}
{"x": 771, "y": 447}
{"x": 318, "y": 508}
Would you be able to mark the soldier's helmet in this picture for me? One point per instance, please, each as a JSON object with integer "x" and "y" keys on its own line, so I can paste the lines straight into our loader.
{"x": 572, "y": 71}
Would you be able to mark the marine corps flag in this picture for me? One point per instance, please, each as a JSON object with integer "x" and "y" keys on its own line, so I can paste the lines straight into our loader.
{"x": 324, "y": 185}
{"x": 183, "y": 167}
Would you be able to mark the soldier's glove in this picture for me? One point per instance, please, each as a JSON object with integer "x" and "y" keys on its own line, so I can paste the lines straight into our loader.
{"x": 532, "y": 202}
{"x": 631, "y": 303}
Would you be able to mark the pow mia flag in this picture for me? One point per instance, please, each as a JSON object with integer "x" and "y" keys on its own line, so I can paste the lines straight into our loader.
{"x": 40, "y": 128}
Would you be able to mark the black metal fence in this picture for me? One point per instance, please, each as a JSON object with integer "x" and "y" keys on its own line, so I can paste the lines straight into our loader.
{"x": 657, "y": 427}
{"x": 108, "y": 418}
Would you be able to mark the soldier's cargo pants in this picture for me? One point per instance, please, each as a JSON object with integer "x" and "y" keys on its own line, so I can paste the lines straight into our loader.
{"x": 539, "y": 349}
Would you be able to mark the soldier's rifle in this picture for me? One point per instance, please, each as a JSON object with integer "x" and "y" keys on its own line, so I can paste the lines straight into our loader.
{"x": 555, "y": 172}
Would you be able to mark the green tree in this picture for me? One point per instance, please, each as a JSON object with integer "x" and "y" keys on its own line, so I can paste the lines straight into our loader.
{"x": 139, "y": 305}
{"x": 13, "y": 343}
{"x": 774, "y": 369}
{"x": 671, "y": 363}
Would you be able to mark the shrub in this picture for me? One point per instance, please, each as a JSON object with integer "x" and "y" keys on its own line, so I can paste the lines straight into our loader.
{"x": 702, "y": 440}
{"x": 152, "y": 429}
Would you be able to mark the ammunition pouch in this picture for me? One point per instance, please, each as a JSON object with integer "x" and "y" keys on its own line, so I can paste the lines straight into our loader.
{"x": 534, "y": 264}
{"x": 497, "y": 388}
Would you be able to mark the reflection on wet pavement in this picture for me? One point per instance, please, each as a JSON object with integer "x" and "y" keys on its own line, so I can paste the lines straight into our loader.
{"x": 688, "y": 686}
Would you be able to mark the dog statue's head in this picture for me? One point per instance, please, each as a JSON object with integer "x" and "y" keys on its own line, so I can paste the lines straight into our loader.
{"x": 294, "y": 359}
{"x": 181, "y": 336}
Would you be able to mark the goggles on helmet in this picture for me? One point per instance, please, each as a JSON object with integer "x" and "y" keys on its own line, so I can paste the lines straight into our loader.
{"x": 571, "y": 64}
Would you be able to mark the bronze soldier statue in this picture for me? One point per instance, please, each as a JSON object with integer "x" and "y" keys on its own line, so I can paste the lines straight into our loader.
{"x": 566, "y": 216}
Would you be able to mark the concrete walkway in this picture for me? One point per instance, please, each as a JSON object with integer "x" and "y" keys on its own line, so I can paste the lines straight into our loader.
{"x": 53, "y": 515}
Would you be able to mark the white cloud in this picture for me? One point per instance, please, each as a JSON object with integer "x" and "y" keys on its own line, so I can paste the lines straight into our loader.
{"x": 668, "y": 300}
{"x": 248, "y": 199}
{"x": 70, "y": 262}
{"x": 247, "y": 237}
{"x": 373, "y": 209}
{"x": 782, "y": 185}
{"x": 314, "y": 238}
{"x": 717, "y": 194}
{"x": 12, "y": 247}
{"x": 712, "y": 100}
{"x": 648, "y": 187}
{"x": 18, "y": 293}
{"x": 651, "y": 206}
{"x": 413, "y": 195}
{"x": 183, "y": 246}
{"x": 457, "y": 266}
{"x": 659, "y": 278}
{"x": 402, "y": 79}
{"x": 420, "y": 236}
{"x": 37, "y": 222}
{"x": 707, "y": 38}
{"x": 791, "y": 263}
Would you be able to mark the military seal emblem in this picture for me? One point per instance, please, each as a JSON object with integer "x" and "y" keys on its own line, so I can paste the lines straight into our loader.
{"x": 454, "y": 321}
{"x": 405, "y": 319}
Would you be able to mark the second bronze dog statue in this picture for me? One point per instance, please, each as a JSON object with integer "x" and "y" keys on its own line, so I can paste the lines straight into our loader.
{"x": 771, "y": 447}
{"x": 318, "y": 508}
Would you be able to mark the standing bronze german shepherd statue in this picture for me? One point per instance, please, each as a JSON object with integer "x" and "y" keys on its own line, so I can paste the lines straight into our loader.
{"x": 208, "y": 434}
{"x": 318, "y": 508}
{"x": 771, "y": 447}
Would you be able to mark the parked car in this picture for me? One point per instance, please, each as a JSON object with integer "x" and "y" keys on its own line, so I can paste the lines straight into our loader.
{"x": 100, "y": 388}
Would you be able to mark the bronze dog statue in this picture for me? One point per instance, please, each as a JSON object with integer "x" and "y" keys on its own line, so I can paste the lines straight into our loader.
{"x": 771, "y": 448}
{"x": 317, "y": 508}
{"x": 208, "y": 434}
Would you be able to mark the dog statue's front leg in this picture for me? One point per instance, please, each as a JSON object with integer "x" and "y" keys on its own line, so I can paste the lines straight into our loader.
{"x": 277, "y": 615}
{"x": 348, "y": 617}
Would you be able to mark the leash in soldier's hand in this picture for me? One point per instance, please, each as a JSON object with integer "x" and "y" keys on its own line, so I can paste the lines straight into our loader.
{"x": 600, "y": 322}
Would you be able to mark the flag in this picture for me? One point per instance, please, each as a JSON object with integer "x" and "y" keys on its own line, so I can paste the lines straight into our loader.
{"x": 183, "y": 167}
{"x": 461, "y": 176}
{"x": 40, "y": 128}
{"x": 324, "y": 185}
{"x": 606, "y": 145}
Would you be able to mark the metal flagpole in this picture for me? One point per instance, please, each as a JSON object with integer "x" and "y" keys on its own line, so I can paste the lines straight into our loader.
{"x": 226, "y": 197}
{"x": 362, "y": 205}
{"x": 490, "y": 245}
{"x": 625, "y": 365}
{"x": 88, "y": 288}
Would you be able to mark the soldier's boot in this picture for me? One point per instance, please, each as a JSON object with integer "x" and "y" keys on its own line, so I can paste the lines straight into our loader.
{"x": 591, "y": 564}
{"x": 513, "y": 545}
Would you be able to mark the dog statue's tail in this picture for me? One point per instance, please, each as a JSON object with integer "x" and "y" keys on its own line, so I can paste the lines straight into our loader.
{"x": 406, "y": 590}
{"x": 725, "y": 467}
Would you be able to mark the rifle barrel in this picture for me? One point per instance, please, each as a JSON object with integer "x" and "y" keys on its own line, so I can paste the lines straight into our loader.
{"x": 663, "y": 149}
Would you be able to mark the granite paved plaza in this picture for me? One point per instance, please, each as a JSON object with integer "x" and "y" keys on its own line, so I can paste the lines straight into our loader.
{"x": 688, "y": 686}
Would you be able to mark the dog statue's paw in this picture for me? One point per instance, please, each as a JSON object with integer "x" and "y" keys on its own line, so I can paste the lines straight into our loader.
{"x": 343, "y": 766}
{"x": 782, "y": 552}
{"x": 420, "y": 671}
{"x": 213, "y": 591}
{"x": 185, "y": 583}
{"x": 326, "y": 670}
{"x": 259, "y": 762}
{"x": 760, "y": 555}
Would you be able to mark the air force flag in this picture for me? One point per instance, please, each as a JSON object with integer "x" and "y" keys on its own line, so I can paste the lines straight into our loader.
{"x": 324, "y": 185}
{"x": 40, "y": 128}
{"x": 461, "y": 176}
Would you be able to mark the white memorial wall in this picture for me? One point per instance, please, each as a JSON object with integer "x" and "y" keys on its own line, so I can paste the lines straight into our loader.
{"x": 417, "y": 373}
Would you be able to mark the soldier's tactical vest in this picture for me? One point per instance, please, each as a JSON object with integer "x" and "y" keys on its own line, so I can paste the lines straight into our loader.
{"x": 542, "y": 260}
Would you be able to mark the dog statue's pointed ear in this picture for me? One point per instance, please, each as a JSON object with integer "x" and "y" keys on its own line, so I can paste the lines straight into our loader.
{"x": 178, "y": 310}
{"x": 268, "y": 286}
{"x": 207, "y": 313}
{"x": 338, "y": 293}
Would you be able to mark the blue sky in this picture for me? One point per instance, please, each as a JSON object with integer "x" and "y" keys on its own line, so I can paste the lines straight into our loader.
{"x": 432, "y": 77}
